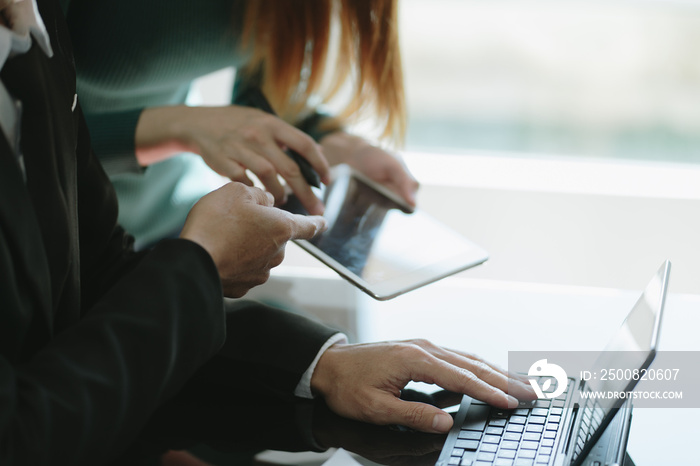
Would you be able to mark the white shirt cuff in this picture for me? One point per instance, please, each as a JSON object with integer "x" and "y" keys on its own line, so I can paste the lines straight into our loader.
{"x": 303, "y": 389}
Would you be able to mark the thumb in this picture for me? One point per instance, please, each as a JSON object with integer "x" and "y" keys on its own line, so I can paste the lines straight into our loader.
{"x": 307, "y": 226}
{"x": 418, "y": 416}
{"x": 409, "y": 194}
{"x": 408, "y": 188}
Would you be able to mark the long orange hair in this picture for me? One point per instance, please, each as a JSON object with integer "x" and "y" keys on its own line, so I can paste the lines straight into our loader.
{"x": 290, "y": 44}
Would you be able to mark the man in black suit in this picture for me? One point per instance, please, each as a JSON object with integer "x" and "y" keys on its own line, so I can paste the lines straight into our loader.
{"x": 94, "y": 337}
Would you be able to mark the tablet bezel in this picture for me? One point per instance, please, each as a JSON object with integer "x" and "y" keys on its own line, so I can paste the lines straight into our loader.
{"x": 389, "y": 289}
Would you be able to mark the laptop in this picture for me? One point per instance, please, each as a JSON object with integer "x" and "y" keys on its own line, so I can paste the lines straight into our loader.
{"x": 565, "y": 425}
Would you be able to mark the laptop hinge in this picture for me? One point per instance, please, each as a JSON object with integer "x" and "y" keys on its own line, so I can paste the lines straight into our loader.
{"x": 571, "y": 428}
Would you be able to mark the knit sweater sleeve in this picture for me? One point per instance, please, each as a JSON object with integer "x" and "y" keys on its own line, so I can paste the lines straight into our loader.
{"x": 112, "y": 134}
{"x": 113, "y": 141}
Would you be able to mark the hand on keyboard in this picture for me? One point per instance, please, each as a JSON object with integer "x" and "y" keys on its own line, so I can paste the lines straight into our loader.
{"x": 364, "y": 382}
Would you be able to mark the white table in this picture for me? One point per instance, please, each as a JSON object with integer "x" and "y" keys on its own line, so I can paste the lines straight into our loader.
{"x": 490, "y": 318}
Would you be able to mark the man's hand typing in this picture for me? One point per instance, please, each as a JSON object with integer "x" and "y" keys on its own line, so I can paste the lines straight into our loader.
{"x": 364, "y": 382}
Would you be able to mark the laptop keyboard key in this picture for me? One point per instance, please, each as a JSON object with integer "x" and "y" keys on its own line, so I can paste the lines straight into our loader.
{"x": 503, "y": 462}
{"x": 471, "y": 445}
{"x": 515, "y": 428}
{"x": 476, "y": 417}
{"x": 489, "y": 448}
{"x": 469, "y": 435}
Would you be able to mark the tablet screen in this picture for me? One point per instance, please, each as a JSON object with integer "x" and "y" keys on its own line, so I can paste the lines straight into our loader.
{"x": 381, "y": 243}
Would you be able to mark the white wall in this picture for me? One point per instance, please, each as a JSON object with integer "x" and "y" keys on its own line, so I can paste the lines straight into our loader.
{"x": 540, "y": 225}
{"x": 569, "y": 221}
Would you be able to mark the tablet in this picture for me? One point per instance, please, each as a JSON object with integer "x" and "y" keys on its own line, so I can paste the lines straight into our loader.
{"x": 380, "y": 244}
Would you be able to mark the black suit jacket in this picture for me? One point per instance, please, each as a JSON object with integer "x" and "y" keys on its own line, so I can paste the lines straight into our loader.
{"x": 93, "y": 337}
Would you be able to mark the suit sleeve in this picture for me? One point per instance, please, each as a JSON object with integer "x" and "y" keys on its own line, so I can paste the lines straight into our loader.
{"x": 275, "y": 346}
{"x": 113, "y": 140}
{"x": 84, "y": 397}
{"x": 266, "y": 352}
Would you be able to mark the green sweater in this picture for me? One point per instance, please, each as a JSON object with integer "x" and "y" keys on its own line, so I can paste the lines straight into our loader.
{"x": 134, "y": 54}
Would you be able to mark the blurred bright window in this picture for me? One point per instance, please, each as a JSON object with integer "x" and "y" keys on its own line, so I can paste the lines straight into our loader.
{"x": 591, "y": 78}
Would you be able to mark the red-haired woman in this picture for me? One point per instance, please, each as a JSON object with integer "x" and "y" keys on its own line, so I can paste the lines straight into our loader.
{"x": 136, "y": 61}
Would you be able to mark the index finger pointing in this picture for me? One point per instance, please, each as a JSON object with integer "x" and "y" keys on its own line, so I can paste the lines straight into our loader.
{"x": 307, "y": 226}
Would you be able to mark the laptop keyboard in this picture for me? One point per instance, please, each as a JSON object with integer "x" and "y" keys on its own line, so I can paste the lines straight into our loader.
{"x": 524, "y": 436}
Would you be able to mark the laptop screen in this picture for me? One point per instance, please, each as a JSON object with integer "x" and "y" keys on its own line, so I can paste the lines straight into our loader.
{"x": 635, "y": 342}
{"x": 631, "y": 349}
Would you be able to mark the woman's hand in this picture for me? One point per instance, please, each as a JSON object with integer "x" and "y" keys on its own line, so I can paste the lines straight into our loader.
{"x": 230, "y": 140}
{"x": 374, "y": 162}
